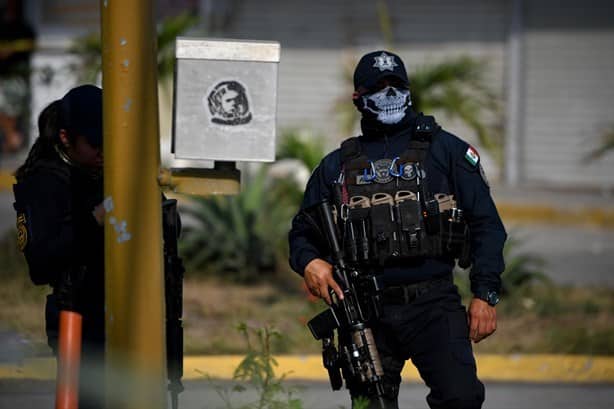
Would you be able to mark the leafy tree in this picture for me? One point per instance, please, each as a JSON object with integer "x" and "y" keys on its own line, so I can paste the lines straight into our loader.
{"x": 457, "y": 88}
{"x": 293, "y": 146}
{"x": 89, "y": 48}
{"x": 606, "y": 145}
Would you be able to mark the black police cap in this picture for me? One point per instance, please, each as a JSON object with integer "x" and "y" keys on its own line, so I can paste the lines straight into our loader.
{"x": 377, "y": 65}
{"x": 81, "y": 111}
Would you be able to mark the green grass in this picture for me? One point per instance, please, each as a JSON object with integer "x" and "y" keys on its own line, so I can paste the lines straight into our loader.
{"x": 534, "y": 318}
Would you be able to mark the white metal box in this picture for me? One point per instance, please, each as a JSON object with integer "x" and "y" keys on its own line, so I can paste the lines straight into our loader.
{"x": 225, "y": 100}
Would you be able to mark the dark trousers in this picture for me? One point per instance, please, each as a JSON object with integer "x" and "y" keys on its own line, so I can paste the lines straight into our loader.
{"x": 91, "y": 371}
{"x": 433, "y": 332}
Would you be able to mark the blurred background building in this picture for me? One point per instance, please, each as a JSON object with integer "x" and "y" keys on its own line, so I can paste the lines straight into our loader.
{"x": 550, "y": 64}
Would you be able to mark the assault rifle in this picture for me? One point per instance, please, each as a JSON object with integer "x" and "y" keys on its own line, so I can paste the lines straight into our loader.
{"x": 173, "y": 285}
{"x": 356, "y": 355}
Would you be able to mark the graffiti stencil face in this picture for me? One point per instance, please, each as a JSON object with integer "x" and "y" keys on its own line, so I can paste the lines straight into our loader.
{"x": 228, "y": 104}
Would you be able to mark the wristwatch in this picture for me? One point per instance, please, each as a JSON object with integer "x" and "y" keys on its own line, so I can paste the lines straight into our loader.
{"x": 490, "y": 296}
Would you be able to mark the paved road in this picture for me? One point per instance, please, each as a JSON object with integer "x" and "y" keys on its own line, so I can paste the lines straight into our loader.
{"x": 201, "y": 395}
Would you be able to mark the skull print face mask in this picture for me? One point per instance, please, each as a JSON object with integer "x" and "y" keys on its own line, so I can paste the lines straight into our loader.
{"x": 388, "y": 105}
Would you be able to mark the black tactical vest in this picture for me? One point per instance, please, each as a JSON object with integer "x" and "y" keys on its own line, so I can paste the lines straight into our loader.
{"x": 386, "y": 209}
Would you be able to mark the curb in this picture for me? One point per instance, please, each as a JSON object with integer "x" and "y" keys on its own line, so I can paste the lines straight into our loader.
{"x": 539, "y": 368}
{"x": 544, "y": 214}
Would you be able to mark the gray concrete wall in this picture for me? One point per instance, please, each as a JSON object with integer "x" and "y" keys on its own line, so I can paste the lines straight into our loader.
{"x": 569, "y": 73}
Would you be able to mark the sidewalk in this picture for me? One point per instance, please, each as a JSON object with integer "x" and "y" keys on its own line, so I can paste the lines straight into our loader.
{"x": 555, "y": 207}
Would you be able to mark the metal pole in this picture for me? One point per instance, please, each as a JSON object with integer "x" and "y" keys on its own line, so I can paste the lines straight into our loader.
{"x": 515, "y": 94}
{"x": 135, "y": 349}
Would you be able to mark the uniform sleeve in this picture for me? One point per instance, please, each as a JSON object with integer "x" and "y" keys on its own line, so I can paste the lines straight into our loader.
{"x": 51, "y": 230}
{"x": 304, "y": 239}
{"x": 487, "y": 233}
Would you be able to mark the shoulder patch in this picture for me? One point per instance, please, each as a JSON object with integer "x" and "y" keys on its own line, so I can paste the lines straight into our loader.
{"x": 472, "y": 156}
{"x": 22, "y": 232}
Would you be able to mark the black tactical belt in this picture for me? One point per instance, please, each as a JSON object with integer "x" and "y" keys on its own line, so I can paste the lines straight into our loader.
{"x": 406, "y": 294}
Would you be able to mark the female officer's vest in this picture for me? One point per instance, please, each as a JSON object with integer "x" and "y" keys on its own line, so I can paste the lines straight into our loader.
{"x": 387, "y": 211}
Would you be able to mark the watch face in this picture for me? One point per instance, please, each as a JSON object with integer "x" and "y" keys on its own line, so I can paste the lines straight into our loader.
{"x": 492, "y": 298}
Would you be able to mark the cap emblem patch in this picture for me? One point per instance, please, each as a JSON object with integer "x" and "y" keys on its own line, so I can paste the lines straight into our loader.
{"x": 385, "y": 62}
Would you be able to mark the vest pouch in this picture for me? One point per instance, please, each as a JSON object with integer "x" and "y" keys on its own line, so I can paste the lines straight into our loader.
{"x": 357, "y": 234}
{"x": 384, "y": 234}
{"x": 454, "y": 232}
{"x": 411, "y": 233}
{"x": 432, "y": 219}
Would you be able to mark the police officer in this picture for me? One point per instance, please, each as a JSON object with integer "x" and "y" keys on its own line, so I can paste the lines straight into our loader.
{"x": 428, "y": 203}
{"x": 58, "y": 199}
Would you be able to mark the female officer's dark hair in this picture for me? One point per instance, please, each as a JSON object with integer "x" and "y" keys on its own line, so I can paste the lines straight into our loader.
{"x": 49, "y": 125}
{"x": 79, "y": 112}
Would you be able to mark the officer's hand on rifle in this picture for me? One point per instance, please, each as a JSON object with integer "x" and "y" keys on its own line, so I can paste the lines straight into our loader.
{"x": 319, "y": 277}
{"x": 482, "y": 320}
{"x": 99, "y": 212}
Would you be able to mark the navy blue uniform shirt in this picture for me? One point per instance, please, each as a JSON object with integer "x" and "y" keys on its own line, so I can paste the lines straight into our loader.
{"x": 63, "y": 232}
{"x": 447, "y": 171}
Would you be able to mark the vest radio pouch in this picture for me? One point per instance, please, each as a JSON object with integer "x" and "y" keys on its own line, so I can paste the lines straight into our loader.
{"x": 412, "y": 235}
{"x": 357, "y": 229}
{"x": 384, "y": 227}
{"x": 454, "y": 231}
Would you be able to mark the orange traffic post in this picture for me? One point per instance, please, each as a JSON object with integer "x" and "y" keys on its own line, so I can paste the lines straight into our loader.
{"x": 69, "y": 360}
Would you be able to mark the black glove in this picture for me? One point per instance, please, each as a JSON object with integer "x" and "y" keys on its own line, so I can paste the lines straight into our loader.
{"x": 69, "y": 289}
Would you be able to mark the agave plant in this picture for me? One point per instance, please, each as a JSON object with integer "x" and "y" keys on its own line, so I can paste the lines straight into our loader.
{"x": 295, "y": 145}
{"x": 521, "y": 269}
{"x": 240, "y": 237}
{"x": 89, "y": 48}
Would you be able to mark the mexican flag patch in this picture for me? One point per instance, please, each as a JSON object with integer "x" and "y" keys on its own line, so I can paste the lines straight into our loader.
{"x": 472, "y": 156}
